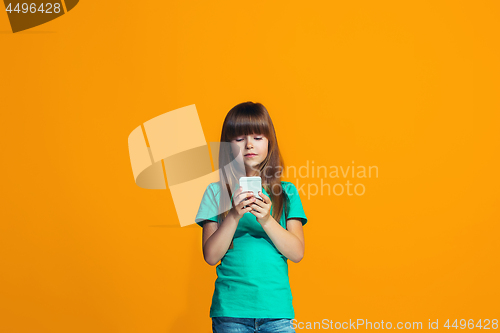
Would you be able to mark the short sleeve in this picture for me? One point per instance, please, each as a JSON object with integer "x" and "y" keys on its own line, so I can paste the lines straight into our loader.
{"x": 294, "y": 204}
{"x": 208, "y": 207}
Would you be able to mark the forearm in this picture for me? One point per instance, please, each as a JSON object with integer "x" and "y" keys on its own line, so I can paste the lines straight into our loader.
{"x": 287, "y": 243}
{"x": 218, "y": 243}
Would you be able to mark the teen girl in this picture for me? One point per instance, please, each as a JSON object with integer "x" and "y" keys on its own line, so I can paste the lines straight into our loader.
{"x": 252, "y": 238}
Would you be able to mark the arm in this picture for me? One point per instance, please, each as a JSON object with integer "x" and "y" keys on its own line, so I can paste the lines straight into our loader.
{"x": 289, "y": 241}
{"x": 217, "y": 238}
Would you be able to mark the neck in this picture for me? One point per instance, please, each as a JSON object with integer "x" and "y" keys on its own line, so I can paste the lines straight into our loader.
{"x": 251, "y": 172}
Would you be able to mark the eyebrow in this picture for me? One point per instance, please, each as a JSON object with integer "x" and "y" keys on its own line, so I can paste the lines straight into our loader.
{"x": 238, "y": 136}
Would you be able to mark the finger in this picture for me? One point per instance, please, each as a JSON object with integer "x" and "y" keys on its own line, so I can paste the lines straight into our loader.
{"x": 257, "y": 208}
{"x": 256, "y": 214}
{"x": 246, "y": 209}
{"x": 264, "y": 197}
{"x": 259, "y": 203}
{"x": 247, "y": 201}
{"x": 235, "y": 195}
{"x": 243, "y": 195}
{"x": 262, "y": 202}
{"x": 237, "y": 192}
{"x": 244, "y": 203}
{"x": 240, "y": 191}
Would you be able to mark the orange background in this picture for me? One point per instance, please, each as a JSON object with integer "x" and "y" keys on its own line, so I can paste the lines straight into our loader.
{"x": 410, "y": 87}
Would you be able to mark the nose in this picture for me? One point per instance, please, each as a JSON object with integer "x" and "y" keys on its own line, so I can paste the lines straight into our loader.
{"x": 249, "y": 144}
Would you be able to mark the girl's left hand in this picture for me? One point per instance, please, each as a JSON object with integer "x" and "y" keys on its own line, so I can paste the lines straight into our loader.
{"x": 262, "y": 208}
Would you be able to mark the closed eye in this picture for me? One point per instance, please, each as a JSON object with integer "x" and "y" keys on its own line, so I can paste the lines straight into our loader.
{"x": 256, "y": 138}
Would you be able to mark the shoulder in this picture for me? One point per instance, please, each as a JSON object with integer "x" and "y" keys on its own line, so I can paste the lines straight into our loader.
{"x": 288, "y": 187}
{"x": 213, "y": 185}
{"x": 290, "y": 190}
{"x": 214, "y": 188}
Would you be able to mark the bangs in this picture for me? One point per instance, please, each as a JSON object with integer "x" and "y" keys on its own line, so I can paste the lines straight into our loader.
{"x": 249, "y": 121}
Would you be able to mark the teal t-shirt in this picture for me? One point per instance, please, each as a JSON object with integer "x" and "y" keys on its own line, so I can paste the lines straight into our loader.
{"x": 252, "y": 277}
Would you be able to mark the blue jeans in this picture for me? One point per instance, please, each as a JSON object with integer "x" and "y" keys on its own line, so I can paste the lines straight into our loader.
{"x": 251, "y": 325}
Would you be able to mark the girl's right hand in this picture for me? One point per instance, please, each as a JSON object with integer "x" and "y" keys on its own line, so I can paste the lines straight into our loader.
{"x": 242, "y": 200}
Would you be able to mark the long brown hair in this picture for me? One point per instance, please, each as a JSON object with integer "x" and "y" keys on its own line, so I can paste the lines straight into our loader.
{"x": 246, "y": 119}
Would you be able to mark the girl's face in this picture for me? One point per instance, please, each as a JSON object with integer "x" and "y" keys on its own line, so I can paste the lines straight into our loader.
{"x": 253, "y": 149}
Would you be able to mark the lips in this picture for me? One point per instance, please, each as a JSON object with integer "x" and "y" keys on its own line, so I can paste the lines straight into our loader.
{"x": 250, "y": 155}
